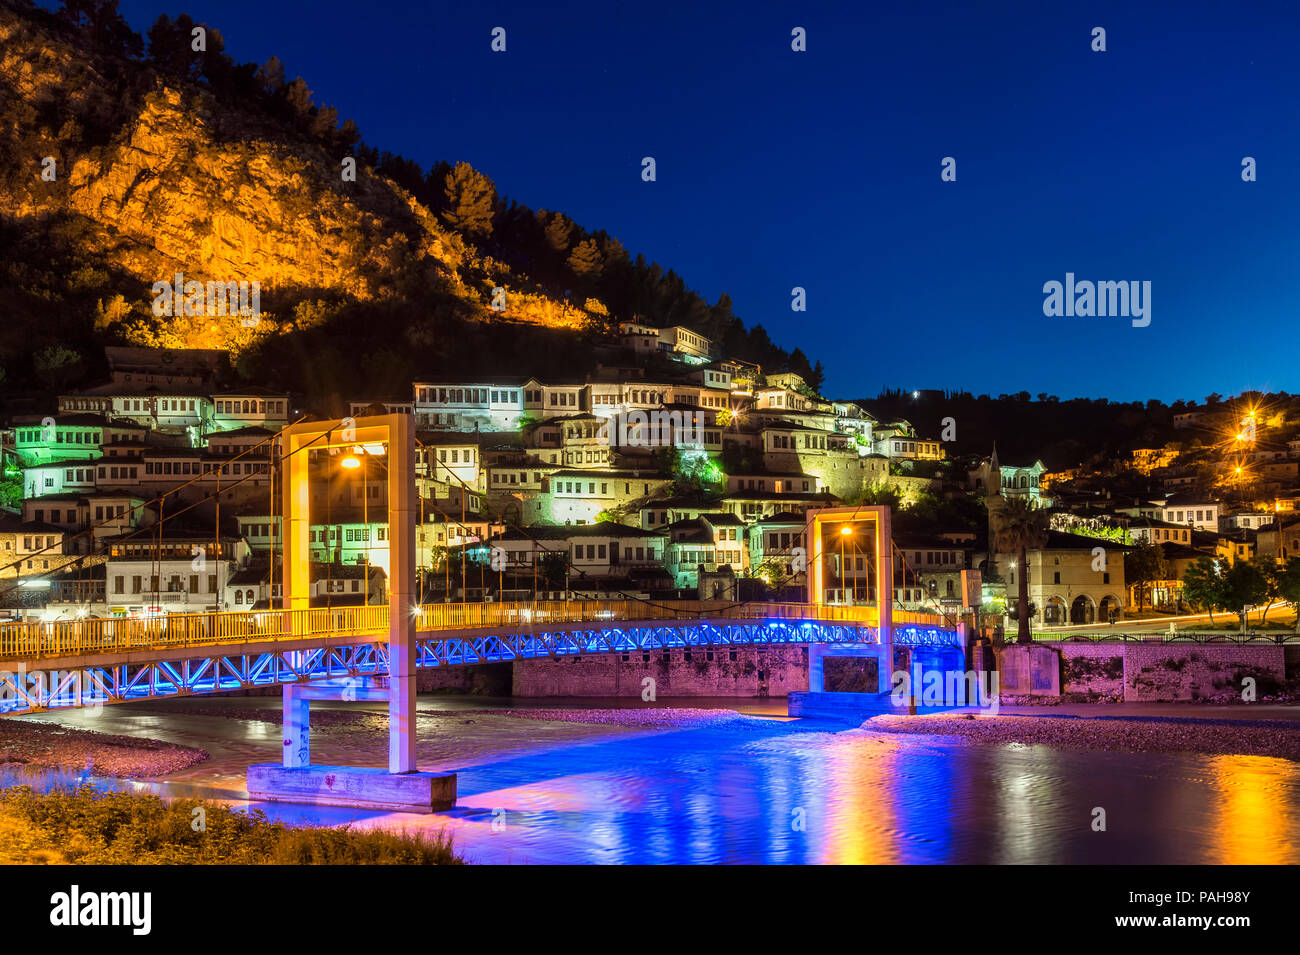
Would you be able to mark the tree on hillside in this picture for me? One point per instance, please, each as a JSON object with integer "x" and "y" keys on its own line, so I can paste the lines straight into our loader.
{"x": 1143, "y": 565}
{"x": 298, "y": 96}
{"x": 558, "y": 229}
{"x": 1022, "y": 528}
{"x": 584, "y": 260}
{"x": 100, "y": 22}
{"x": 471, "y": 200}
{"x": 882, "y": 495}
{"x": 817, "y": 377}
{"x": 271, "y": 76}
{"x": 169, "y": 46}
{"x": 57, "y": 367}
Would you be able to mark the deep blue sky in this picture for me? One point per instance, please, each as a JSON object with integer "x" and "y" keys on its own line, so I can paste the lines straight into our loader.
{"x": 821, "y": 169}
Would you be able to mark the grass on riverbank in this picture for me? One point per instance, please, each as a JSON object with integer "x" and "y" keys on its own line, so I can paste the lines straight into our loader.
{"x": 88, "y": 827}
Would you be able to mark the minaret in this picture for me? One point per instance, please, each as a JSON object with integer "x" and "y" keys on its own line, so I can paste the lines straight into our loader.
{"x": 994, "y": 502}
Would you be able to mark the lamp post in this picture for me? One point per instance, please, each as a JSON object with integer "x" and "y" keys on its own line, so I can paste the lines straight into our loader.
{"x": 352, "y": 462}
{"x": 845, "y": 532}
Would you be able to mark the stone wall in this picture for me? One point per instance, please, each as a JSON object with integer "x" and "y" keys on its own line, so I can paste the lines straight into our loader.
{"x": 1189, "y": 672}
{"x": 1173, "y": 672}
{"x": 1095, "y": 670}
{"x": 741, "y": 672}
{"x": 489, "y": 679}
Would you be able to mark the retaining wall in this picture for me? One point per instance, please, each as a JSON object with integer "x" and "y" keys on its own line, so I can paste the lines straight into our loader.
{"x": 721, "y": 672}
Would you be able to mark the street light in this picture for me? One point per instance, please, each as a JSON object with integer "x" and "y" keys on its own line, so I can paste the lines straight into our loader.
{"x": 845, "y": 531}
{"x": 351, "y": 462}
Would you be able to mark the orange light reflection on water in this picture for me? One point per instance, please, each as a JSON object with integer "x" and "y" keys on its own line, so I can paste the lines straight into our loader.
{"x": 1252, "y": 818}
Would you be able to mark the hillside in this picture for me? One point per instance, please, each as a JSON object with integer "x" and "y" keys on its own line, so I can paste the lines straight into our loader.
{"x": 166, "y": 160}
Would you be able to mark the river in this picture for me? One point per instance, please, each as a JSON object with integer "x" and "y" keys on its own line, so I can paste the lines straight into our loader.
{"x": 764, "y": 789}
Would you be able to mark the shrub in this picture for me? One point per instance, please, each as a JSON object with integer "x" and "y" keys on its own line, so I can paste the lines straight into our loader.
{"x": 114, "y": 828}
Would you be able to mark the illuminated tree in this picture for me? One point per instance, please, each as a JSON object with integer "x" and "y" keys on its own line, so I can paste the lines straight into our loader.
{"x": 1143, "y": 565}
{"x": 584, "y": 260}
{"x": 1204, "y": 586}
{"x": 1287, "y": 578}
{"x": 1245, "y": 586}
{"x": 298, "y": 96}
{"x": 558, "y": 230}
{"x": 471, "y": 200}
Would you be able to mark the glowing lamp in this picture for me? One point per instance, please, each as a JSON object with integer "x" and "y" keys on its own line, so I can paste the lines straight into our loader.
{"x": 350, "y": 462}
{"x": 846, "y": 530}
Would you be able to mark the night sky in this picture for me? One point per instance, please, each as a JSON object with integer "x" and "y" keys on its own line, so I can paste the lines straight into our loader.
{"x": 821, "y": 169}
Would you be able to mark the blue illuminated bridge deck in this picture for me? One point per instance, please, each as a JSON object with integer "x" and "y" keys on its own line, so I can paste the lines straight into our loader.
{"x": 94, "y": 661}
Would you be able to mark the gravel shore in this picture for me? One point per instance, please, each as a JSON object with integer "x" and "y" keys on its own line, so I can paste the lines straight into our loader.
{"x": 1152, "y": 735}
{"x": 272, "y": 713}
{"x": 666, "y": 717}
{"x": 49, "y": 745}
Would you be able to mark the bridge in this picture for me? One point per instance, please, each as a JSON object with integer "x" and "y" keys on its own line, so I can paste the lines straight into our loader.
{"x": 91, "y": 662}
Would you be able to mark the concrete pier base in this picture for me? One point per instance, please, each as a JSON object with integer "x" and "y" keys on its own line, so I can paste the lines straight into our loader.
{"x": 845, "y": 707}
{"x": 856, "y": 707}
{"x": 361, "y": 787}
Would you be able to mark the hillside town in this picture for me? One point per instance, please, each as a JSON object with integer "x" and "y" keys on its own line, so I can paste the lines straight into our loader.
{"x": 668, "y": 470}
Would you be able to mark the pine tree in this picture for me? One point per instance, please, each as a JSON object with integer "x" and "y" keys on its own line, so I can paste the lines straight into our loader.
{"x": 558, "y": 229}
{"x": 271, "y": 75}
{"x": 585, "y": 259}
{"x": 471, "y": 200}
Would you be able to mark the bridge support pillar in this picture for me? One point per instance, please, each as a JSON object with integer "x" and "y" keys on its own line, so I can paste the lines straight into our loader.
{"x": 401, "y": 707}
{"x": 297, "y": 727}
{"x": 402, "y": 599}
{"x": 816, "y": 668}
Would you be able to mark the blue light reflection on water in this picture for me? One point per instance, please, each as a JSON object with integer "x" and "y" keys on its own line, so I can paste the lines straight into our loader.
{"x": 737, "y": 793}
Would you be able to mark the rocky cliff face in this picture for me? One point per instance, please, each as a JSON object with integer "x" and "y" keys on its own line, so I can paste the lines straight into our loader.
{"x": 165, "y": 179}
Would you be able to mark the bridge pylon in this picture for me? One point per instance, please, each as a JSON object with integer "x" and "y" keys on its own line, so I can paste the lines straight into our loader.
{"x": 295, "y": 779}
{"x": 835, "y": 537}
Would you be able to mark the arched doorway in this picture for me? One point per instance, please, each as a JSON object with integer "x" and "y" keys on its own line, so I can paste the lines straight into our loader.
{"x": 1109, "y": 604}
{"x": 1054, "y": 612}
{"x": 1083, "y": 610}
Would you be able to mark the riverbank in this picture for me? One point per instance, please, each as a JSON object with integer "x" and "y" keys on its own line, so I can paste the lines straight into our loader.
{"x": 1159, "y": 734}
{"x": 53, "y": 746}
{"x": 86, "y": 827}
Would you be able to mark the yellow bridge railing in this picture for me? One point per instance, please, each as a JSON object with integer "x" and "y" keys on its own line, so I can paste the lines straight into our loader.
{"x": 23, "y": 641}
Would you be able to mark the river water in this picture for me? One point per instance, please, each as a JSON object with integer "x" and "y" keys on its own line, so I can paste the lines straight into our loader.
{"x": 763, "y": 790}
